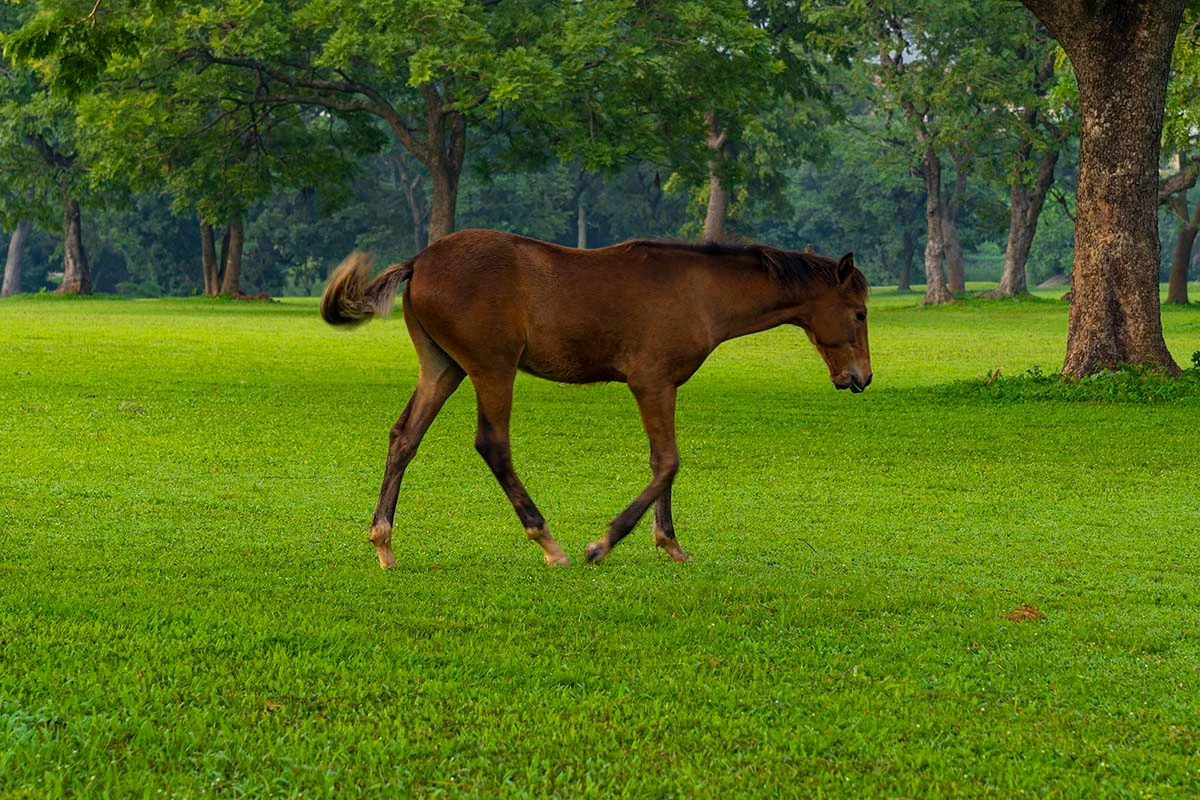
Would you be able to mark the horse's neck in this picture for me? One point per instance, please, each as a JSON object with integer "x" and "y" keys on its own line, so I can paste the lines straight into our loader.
{"x": 752, "y": 302}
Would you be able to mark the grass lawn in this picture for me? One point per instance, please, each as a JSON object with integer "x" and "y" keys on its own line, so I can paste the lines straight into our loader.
{"x": 189, "y": 605}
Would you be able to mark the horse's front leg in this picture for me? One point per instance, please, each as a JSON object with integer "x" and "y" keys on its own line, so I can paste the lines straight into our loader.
{"x": 657, "y": 407}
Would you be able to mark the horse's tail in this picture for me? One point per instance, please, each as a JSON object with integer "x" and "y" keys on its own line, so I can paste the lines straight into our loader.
{"x": 348, "y": 298}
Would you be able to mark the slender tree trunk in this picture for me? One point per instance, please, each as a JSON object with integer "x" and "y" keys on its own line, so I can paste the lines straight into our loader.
{"x": 580, "y": 223}
{"x": 1121, "y": 53}
{"x": 1025, "y": 208}
{"x": 208, "y": 261}
{"x": 717, "y": 215}
{"x": 956, "y": 271}
{"x": 236, "y": 238}
{"x": 907, "y": 248}
{"x": 936, "y": 291}
{"x": 77, "y": 273}
{"x": 418, "y": 209}
{"x": 1185, "y": 237}
{"x": 16, "y": 254}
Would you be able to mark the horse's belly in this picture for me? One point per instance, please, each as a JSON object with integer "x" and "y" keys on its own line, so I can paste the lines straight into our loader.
{"x": 571, "y": 370}
{"x": 571, "y": 361}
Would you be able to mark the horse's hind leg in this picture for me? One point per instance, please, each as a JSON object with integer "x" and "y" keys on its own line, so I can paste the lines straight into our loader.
{"x": 438, "y": 379}
{"x": 494, "y": 396}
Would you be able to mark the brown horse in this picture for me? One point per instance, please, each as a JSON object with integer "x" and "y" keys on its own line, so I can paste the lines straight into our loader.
{"x": 484, "y": 304}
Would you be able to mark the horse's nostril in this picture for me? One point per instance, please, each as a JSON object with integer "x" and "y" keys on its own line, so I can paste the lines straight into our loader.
{"x": 867, "y": 382}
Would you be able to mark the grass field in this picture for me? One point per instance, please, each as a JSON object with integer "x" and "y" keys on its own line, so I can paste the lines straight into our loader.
{"x": 189, "y": 605}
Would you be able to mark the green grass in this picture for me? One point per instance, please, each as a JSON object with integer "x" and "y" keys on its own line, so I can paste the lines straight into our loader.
{"x": 189, "y": 606}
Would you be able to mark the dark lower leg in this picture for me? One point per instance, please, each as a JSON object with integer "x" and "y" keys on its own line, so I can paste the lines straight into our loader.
{"x": 657, "y": 408}
{"x": 664, "y": 528}
{"x": 491, "y": 440}
{"x": 406, "y": 435}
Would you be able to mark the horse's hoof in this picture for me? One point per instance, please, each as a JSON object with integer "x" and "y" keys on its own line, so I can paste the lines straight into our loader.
{"x": 559, "y": 560}
{"x": 386, "y": 559}
{"x": 677, "y": 555}
{"x": 596, "y": 551}
{"x": 671, "y": 547}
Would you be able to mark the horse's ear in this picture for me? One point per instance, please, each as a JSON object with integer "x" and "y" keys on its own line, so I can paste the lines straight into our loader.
{"x": 845, "y": 269}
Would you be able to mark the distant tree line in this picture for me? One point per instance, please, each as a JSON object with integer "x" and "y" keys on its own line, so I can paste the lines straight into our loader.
{"x": 171, "y": 147}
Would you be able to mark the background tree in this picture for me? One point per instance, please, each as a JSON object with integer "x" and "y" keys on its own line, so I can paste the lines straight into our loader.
{"x": 1121, "y": 53}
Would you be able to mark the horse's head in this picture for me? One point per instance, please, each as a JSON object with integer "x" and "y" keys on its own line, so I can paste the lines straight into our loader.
{"x": 836, "y": 322}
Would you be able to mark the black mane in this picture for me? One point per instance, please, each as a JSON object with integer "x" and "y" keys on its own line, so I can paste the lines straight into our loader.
{"x": 783, "y": 266}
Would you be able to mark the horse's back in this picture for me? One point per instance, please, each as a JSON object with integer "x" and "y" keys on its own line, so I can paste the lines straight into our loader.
{"x": 576, "y": 316}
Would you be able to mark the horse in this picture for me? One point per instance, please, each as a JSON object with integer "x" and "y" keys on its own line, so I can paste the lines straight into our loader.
{"x": 484, "y": 304}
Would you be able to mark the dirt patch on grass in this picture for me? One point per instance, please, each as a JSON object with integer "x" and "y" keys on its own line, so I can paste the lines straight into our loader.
{"x": 1023, "y": 613}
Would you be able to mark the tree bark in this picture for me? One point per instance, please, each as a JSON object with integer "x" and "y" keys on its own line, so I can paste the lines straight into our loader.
{"x": 908, "y": 246}
{"x": 77, "y": 273}
{"x": 208, "y": 261}
{"x": 236, "y": 237}
{"x": 1121, "y": 53}
{"x": 717, "y": 214}
{"x": 16, "y": 254}
{"x": 936, "y": 291}
{"x": 1025, "y": 208}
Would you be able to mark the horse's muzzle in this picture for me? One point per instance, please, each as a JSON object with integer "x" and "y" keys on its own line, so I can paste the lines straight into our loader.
{"x": 854, "y": 383}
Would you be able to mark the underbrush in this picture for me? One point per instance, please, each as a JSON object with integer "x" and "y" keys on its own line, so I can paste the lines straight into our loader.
{"x": 1128, "y": 384}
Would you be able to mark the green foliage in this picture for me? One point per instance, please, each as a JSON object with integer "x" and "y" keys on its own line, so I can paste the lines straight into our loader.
{"x": 75, "y": 50}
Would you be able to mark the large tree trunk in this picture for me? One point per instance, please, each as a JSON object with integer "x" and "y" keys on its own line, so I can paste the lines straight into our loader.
{"x": 908, "y": 247}
{"x": 444, "y": 202}
{"x": 16, "y": 254}
{"x": 718, "y": 196}
{"x": 236, "y": 238}
{"x": 1121, "y": 53}
{"x": 77, "y": 273}
{"x": 443, "y": 155}
{"x": 1025, "y": 207}
{"x": 1185, "y": 237}
{"x": 208, "y": 261}
{"x": 935, "y": 276}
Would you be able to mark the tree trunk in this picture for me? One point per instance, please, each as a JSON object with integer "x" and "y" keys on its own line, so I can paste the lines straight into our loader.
{"x": 956, "y": 272}
{"x": 580, "y": 223}
{"x": 77, "y": 273}
{"x": 1025, "y": 207}
{"x": 936, "y": 291}
{"x": 955, "y": 267}
{"x": 208, "y": 261}
{"x": 16, "y": 254}
{"x": 443, "y": 155}
{"x": 907, "y": 248}
{"x": 1185, "y": 237}
{"x": 236, "y": 238}
{"x": 1121, "y": 53}
{"x": 718, "y": 196}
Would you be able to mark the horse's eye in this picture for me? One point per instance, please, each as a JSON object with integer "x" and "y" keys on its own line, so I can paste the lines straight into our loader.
{"x": 861, "y": 316}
